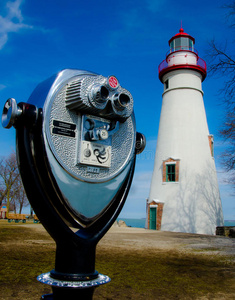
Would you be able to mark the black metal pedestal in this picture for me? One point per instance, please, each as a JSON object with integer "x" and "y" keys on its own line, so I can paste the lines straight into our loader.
{"x": 83, "y": 294}
{"x": 74, "y": 276}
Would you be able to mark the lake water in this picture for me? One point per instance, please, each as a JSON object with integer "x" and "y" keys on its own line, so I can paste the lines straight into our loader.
{"x": 229, "y": 222}
{"x": 140, "y": 223}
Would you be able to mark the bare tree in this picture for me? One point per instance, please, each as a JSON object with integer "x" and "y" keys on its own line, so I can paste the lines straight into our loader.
{"x": 11, "y": 185}
{"x": 2, "y": 194}
{"x": 20, "y": 199}
{"x": 222, "y": 63}
{"x": 9, "y": 174}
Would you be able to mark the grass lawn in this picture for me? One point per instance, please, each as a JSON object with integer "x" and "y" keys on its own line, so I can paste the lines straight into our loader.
{"x": 25, "y": 253}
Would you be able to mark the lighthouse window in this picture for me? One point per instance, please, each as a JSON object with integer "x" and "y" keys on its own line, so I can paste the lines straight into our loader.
{"x": 211, "y": 144}
{"x": 170, "y": 172}
{"x": 166, "y": 84}
{"x": 190, "y": 45}
{"x": 178, "y": 44}
{"x": 184, "y": 43}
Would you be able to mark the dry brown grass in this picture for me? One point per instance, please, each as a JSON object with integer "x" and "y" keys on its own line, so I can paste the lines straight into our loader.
{"x": 157, "y": 274}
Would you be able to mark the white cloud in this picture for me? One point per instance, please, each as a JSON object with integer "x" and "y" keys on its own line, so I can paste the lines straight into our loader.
{"x": 140, "y": 185}
{"x": 3, "y": 39}
{"x": 12, "y": 22}
{"x": 2, "y": 87}
{"x": 14, "y": 10}
{"x": 135, "y": 206}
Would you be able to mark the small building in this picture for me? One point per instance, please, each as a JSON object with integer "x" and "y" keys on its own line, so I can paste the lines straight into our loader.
{"x": 3, "y": 210}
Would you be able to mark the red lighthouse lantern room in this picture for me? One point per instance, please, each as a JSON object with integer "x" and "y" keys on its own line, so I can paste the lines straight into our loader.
{"x": 182, "y": 55}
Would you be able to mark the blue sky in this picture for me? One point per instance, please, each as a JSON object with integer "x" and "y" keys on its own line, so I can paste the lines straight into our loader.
{"x": 128, "y": 39}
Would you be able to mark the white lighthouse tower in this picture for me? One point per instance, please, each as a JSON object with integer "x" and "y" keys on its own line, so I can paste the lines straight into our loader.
{"x": 184, "y": 194}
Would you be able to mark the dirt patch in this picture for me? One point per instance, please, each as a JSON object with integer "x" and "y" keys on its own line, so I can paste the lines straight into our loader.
{"x": 138, "y": 238}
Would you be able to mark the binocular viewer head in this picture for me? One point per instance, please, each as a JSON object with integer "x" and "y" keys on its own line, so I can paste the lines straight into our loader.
{"x": 99, "y": 96}
{"x": 85, "y": 124}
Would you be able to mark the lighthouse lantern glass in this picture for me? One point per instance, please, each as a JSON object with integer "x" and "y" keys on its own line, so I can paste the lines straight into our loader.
{"x": 181, "y": 43}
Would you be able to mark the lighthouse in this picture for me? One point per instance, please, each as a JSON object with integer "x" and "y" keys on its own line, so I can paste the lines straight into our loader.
{"x": 184, "y": 193}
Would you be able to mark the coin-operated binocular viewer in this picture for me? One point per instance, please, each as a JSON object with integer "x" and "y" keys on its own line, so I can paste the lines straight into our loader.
{"x": 76, "y": 145}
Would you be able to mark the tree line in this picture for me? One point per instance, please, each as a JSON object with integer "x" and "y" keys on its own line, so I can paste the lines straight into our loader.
{"x": 11, "y": 187}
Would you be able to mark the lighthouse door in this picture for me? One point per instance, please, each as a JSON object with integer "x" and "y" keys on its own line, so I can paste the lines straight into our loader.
{"x": 153, "y": 218}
